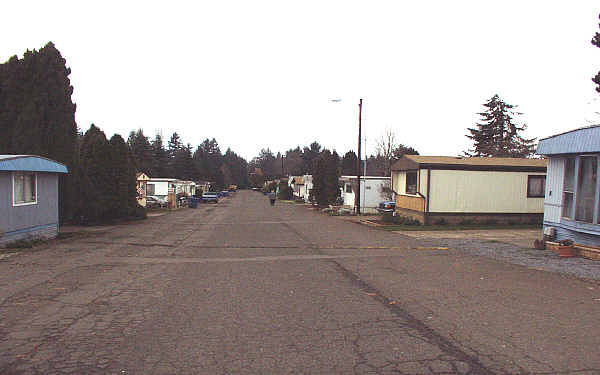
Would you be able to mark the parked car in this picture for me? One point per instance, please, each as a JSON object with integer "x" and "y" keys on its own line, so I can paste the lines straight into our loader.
{"x": 210, "y": 196}
{"x": 154, "y": 202}
{"x": 387, "y": 206}
{"x": 225, "y": 193}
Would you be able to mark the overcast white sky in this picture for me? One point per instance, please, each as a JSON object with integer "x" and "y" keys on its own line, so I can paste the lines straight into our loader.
{"x": 257, "y": 74}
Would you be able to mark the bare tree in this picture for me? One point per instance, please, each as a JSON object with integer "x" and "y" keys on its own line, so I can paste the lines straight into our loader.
{"x": 386, "y": 145}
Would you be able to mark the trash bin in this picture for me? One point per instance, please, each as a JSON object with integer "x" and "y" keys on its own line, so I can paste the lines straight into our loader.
{"x": 193, "y": 202}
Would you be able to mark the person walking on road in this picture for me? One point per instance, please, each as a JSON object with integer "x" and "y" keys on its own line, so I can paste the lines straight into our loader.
{"x": 272, "y": 197}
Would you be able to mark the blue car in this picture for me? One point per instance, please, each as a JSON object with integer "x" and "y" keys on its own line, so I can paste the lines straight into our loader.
{"x": 225, "y": 193}
{"x": 387, "y": 206}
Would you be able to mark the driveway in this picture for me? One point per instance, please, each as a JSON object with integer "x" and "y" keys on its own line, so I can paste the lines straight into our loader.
{"x": 522, "y": 238}
{"x": 245, "y": 288}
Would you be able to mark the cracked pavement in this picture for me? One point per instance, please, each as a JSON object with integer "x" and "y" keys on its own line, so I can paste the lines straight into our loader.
{"x": 246, "y": 288}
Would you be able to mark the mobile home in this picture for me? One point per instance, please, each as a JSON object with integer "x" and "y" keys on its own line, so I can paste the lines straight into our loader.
{"x": 28, "y": 197}
{"x": 572, "y": 200}
{"x": 442, "y": 189}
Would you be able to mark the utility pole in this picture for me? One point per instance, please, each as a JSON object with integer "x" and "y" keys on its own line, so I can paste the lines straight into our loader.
{"x": 357, "y": 195}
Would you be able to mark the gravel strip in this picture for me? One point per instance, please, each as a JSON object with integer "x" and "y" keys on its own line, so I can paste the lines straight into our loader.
{"x": 538, "y": 259}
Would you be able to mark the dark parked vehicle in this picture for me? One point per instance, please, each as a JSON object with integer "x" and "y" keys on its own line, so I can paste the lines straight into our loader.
{"x": 211, "y": 196}
{"x": 155, "y": 202}
{"x": 387, "y": 206}
{"x": 225, "y": 193}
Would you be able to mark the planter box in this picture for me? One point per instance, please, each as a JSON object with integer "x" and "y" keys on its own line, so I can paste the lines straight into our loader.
{"x": 587, "y": 252}
{"x": 563, "y": 251}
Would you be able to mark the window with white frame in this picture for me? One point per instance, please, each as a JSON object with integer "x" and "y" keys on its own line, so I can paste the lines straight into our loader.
{"x": 579, "y": 191}
{"x": 24, "y": 188}
{"x": 411, "y": 182}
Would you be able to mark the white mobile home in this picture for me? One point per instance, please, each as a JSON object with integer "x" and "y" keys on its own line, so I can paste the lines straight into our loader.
{"x": 373, "y": 190}
{"x": 301, "y": 185}
{"x": 185, "y": 187}
{"x": 572, "y": 196}
{"x": 160, "y": 186}
{"x": 435, "y": 189}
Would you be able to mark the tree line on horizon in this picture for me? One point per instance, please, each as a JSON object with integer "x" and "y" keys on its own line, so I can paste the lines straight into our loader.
{"x": 37, "y": 117}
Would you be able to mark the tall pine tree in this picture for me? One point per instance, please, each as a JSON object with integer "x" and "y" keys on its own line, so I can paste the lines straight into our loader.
{"x": 123, "y": 179}
{"x": 37, "y": 115}
{"x": 141, "y": 151}
{"x": 596, "y": 42}
{"x": 326, "y": 178}
{"x": 97, "y": 191}
{"x": 160, "y": 158}
{"x": 497, "y": 134}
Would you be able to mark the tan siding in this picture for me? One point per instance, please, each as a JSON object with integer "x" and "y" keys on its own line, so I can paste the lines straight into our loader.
{"x": 410, "y": 202}
{"x": 554, "y": 186}
{"x": 481, "y": 192}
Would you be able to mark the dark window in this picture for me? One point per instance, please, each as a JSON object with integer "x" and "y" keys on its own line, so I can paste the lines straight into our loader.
{"x": 348, "y": 188}
{"x": 151, "y": 190}
{"x": 586, "y": 189}
{"x": 24, "y": 188}
{"x": 568, "y": 188}
{"x": 411, "y": 182}
{"x": 536, "y": 186}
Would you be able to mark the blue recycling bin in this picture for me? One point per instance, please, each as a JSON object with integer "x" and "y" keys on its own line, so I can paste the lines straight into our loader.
{"x": 193, "y": 202}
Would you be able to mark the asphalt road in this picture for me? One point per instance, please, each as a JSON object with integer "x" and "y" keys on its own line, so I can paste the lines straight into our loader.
{"x": 245, "y": 288}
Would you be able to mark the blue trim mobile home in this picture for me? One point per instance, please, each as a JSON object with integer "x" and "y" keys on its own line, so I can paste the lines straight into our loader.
{"x": 572, "y": 198}
{"x": 28, "y": 197}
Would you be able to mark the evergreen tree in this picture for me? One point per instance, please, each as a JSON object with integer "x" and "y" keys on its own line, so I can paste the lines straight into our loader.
{"x": 96, "y": 191}
{"x": 596, "y": 42}
{"x": 208, "y": 160}
{"x": 497, "y": 134}
{"x": 159, "y": 158}
{"x": 402, "y": 150}
{"x": 141, "y": 151}
{"x": 309, "y": 154}
{"x": 37, "y": 115}
{"x": 184, "y": 167}
{"x": 326, "y": 178}
{"x": 293, "y": 163}
{"x": 237, "y": 169}
{"x": 349, "y": 162}
{"x": 123, "y": 179}
{"x": 173, "y": 147}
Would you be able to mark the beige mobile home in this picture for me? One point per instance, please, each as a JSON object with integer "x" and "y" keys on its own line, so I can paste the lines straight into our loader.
{"x": 436, "y": 189}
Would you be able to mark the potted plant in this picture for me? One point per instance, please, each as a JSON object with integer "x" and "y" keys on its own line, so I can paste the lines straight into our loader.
{"x": 563, "y": 248}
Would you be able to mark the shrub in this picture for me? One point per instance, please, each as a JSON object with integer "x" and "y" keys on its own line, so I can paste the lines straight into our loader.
{"x": 387, "y": 217}
{"x": 466, "y": 222}
{"x": 285, "y": 192}
{"x": 441, "y": 221}
{"x": 139, "y": 212}
{"x": 411, "y": 221}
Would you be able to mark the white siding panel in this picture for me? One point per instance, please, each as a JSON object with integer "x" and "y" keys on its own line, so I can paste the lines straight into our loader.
{"x": 423, "y": 182}
{"x": 400, "y": 182}
{"x": 554, "y": 186}
{"x": 482, "y": 192}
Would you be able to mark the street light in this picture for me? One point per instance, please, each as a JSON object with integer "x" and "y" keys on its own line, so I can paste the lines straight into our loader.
{"x": 357, "y": 195}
